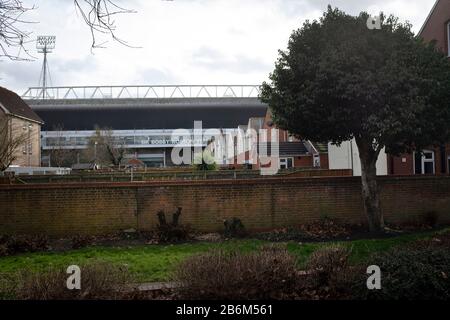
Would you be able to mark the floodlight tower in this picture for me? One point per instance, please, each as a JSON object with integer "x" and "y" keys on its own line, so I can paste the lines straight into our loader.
{"x": 45, "y": 44}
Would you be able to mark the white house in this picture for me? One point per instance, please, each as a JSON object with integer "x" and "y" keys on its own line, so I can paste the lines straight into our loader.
{"x": 346, "y": 156}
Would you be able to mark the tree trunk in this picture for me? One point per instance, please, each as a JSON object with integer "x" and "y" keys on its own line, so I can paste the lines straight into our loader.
{"x": 370, "y": 192}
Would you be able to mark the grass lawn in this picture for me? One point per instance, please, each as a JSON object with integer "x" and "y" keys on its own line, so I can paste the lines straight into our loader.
{"x": 155, "y": 262}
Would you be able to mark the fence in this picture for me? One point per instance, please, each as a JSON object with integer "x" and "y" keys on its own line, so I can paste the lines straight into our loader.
{"x": 164, "y": 175}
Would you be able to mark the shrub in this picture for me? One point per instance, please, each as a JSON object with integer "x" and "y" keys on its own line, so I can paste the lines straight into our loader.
{"x": 234, "y": 228}
{"x": 411, "y": 274}
{"x": 328, "y": 268}
{"x": 10, "y": 245}
{"x": 3, "y": 250}
{"x": 205, "y": 162}
{"x": 98, "y": 281}
{"x": 171, "y": 232}
{"x": 7, "y": 286}
{"x": 267, "y": 274}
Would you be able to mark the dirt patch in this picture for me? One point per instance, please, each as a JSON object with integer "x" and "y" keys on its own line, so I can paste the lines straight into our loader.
{"x": 330, "y": 230}
{"x": 321, "y": 230}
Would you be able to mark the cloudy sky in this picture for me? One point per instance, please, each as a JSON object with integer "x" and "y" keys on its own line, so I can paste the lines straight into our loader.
{"x": 181, "y": 41}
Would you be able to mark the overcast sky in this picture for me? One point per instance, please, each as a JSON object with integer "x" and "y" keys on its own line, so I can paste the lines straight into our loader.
{"x": 182, "y": 41}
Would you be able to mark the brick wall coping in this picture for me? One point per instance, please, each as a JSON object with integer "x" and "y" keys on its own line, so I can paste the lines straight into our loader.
{"x": 166, "y": 183}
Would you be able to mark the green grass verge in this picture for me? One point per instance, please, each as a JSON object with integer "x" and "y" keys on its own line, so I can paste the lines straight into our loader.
{"x": 156, "y": 262}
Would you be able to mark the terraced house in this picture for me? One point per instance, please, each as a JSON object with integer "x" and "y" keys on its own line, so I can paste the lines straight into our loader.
{"x": 20, "y": 131}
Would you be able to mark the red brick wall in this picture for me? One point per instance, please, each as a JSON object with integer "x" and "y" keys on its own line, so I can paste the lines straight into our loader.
{"x": 435, "y": 27}
{"x": 401, "y": 165}
{"x": 99, "y": 208}
{"x": 303, "y": 162}
{"x": 324, "y": 164}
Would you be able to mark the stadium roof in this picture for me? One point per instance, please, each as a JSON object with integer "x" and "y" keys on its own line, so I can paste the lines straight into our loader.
{"x": 139, "y": 114}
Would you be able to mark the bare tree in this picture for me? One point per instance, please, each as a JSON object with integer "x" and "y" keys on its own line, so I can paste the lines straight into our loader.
{"x": 104, "y": 148}
{"x": 9, "y": 143}
{"x": 59, "y": 154}
{"x": 115, "y": 148}
{"x": 98, "y": 15}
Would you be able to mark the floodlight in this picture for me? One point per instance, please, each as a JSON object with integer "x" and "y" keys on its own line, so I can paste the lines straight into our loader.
{"x": 45, "y": 42}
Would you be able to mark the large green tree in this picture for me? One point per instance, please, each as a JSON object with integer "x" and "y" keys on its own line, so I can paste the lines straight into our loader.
{"x": 340, "y": 80}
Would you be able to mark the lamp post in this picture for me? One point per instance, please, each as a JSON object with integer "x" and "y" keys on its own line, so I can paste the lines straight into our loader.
{"x": 95, "y": 151}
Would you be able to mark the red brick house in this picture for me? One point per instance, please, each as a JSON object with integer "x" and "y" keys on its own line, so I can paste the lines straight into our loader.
{"x": 435, "y": 160}
{"x": 295, "y": 152}
{"x": 292, "y": 152}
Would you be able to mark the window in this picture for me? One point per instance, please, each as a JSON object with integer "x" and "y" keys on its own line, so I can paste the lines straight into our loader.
{"x": 448, "y": 38}
{"x": 448, "y": 164}
{"x": 316, "y": 160}
{"x": 286, "y": 163}
{"x": 424, "y": 162}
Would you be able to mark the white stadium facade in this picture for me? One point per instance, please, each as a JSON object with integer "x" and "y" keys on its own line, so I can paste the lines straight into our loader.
{"x": 144, "y": 118}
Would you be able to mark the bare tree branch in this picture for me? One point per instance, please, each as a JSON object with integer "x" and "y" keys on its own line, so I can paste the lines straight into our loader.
{"x": 12, "y": 35}
{"x": 98, "y": 15}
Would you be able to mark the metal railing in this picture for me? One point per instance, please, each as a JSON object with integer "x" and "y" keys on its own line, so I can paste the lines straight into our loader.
{"x": 143, "y": 91}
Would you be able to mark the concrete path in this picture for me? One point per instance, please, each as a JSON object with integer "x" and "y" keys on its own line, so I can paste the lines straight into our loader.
{"x": 152, "y": 286}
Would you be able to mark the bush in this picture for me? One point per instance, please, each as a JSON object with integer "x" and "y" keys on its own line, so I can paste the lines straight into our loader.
{"x": 10, "y": 245}
{"x": 328, "y": 268}
{"x": 98, "y": 281}
{"x": 411, "y": 274}
{"x": 171, "y": 232}
{"x": 268, "y": 274}
{"x": 205, "y": 162}
{"x": 234, "y": 228}
{"x": 7, "y": 286}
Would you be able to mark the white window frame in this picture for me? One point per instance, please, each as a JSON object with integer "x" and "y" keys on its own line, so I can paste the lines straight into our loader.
{"x": 448, "y": 39}
{"x": 316, "y": 160}
{"x": 424, "y": 160}
{"x": 285, "y": 160}
{"x": 448, "y": 165}
{"x": 291, "y": 138}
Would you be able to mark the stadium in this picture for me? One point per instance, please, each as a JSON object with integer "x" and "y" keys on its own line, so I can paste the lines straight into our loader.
{"x": 143, "y": 118}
